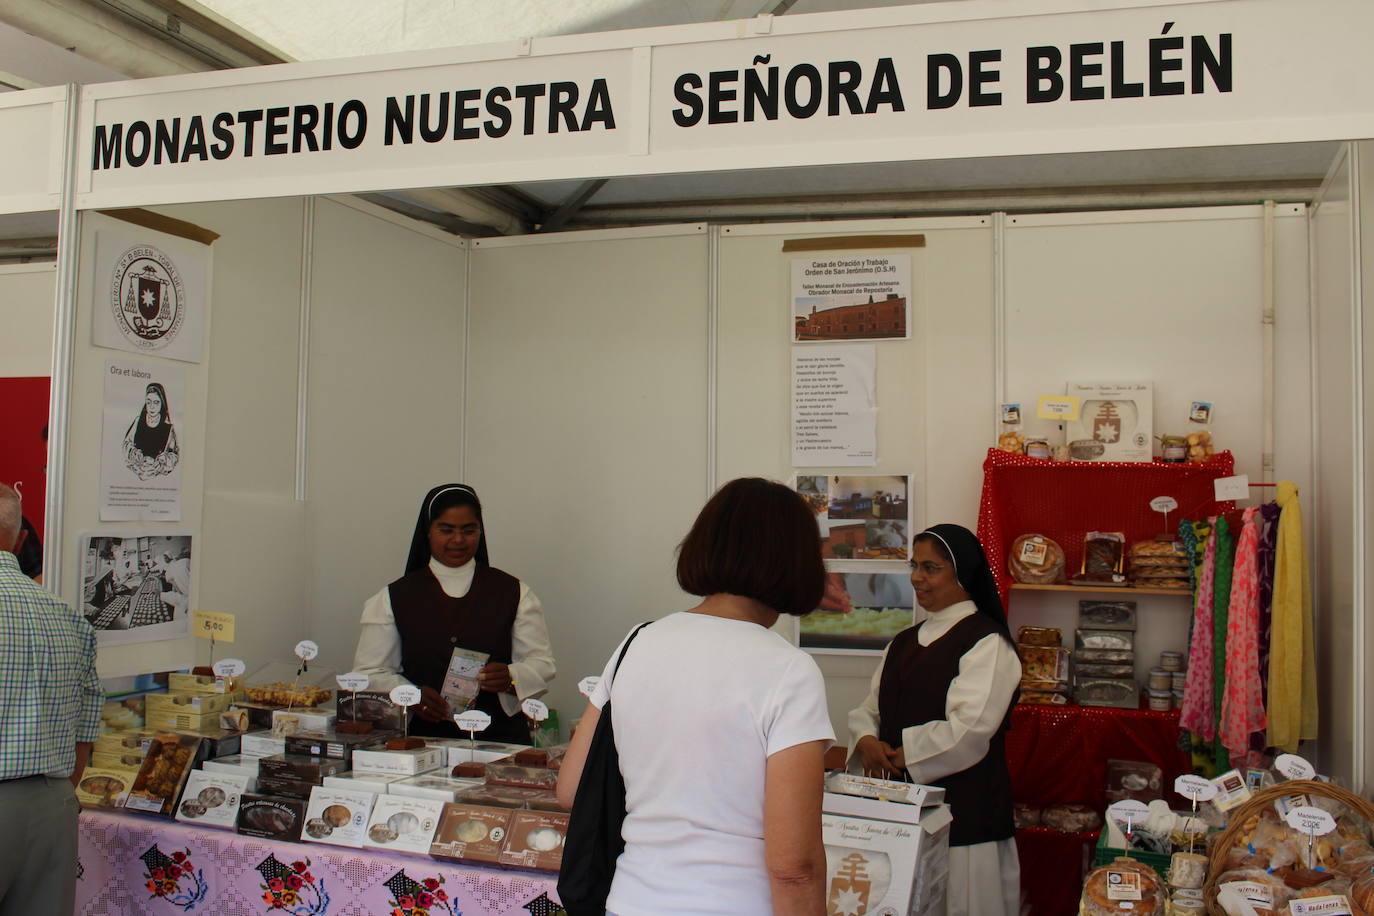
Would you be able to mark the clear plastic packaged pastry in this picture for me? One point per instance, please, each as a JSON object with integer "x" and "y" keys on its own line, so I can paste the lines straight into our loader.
{"x": 1118, "y": 640}
{"x": 1039, "y": 636}
{"x": 1107, "y": 615}
{"x": 1036, "y": 560}
{"x": 1044, "y": 663}
{"x": 1123, "y": 887}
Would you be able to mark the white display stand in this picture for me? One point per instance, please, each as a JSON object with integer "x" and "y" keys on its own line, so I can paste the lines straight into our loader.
{"x": 596, "y": 386}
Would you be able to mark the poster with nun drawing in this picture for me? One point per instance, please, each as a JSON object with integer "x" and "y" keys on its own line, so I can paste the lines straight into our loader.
{"x": 140, "y": 452}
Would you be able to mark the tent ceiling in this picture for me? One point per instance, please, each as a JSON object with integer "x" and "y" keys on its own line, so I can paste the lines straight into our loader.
{"x": 281, "y": 29}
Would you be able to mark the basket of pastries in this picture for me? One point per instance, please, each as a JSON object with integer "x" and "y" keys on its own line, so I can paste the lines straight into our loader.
{"x": 1261, "y": 866}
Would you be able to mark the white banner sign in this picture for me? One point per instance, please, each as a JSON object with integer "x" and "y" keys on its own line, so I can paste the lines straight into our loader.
{"x": 834, "y": 406}
{"x": 883, "y": 85}
{"x": 140, "y": 450}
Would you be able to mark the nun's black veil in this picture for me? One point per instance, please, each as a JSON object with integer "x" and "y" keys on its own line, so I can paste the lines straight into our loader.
{"x": 437, "y": 502}
{"x": 974, "y": 573}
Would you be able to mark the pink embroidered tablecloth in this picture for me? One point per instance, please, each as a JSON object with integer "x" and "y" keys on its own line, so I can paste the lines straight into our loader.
{"x": 133, "y": 864}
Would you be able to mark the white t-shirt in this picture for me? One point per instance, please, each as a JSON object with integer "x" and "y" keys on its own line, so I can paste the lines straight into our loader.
{"x": 701, "y": 702}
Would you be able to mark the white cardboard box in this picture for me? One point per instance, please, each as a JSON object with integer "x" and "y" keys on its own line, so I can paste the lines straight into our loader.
{"x": 337, "y": 816}
{"x": 399, "y": 763}
{"x": 403, "y": 824}
{"x": 211, "y": 799}
{"x": 460, "y": 750}
{"x": 238, "y": 765}
{"x": 261, "y": 744}
{"x": 876, "y": 866}
{"x": 302, "y": 719}
{"x": 365, "y": 782}
{"x": 1118, "y": 416}
{"x": 432, "y": 785}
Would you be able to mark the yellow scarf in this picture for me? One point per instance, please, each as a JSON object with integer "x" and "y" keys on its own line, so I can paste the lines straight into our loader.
{"x": 1292, "y": 657}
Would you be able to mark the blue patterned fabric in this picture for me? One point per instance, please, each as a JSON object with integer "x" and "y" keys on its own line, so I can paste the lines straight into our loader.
{"x": 50, "y": 695}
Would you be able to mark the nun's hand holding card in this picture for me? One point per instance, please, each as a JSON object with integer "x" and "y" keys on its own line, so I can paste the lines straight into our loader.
{"x": 460, "y": 683}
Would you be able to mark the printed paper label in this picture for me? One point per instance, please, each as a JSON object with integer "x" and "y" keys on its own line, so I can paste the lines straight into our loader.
{"x": 306, "y": 650}
{"x": 1033, "y": 553}
{"x": 1311, "y": 821}
{"x": 1123, "y": 885}
{"x": 1294, "y": 767}
{"x": 1334, "y": 905}
{"x": 405, "y": 695}
{"x": 353, "y": 681}
{"x": 535, "y": 709}
{"x": 1058, "y": 407}
{"x": 1237, "y": 487}
{"x": 209, "y": 625}
{"x": 587, "y": 686}
{"x": 229, "y": 667}
{"x": 1256, "y": 894}
{"x": 474, "y": 720}
{"x": 1164, "y": 504}
{"x": 1197, "y": 788}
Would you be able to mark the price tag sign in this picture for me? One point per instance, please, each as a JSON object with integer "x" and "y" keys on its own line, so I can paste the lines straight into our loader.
{"x": 405, "y": 695}
{"x": 1198, "y": 788}
{"x": 210, "y": 625}
{"x": 1294, "y": 767}
{"x": 916, "y": 795}
{"x": 306, "y": 650}
{"x": 353, "y": 681}
{"x": 1164, "y": 504}
{"x": 1311, "y": 821}
{"x": 473, "y": 720}
{"x": 535, "y": 709}
{"x": 1237, "y": 487}
{"x": 229, "y": 667}
{"x": 1058, "y": 407}
{"x": 1129, "y": 812}
{"x": 587, "y": 686}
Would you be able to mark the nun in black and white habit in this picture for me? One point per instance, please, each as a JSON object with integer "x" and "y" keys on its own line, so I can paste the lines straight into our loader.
{"x": 939, "y": 708}
{"x": 451, "y": 596}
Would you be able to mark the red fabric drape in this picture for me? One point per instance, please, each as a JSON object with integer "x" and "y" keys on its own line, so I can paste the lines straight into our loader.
{"x": 23, "y": 414}
{"x": 1064, "y": 500}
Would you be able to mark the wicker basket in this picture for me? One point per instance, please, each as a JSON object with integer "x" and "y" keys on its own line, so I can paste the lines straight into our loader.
{"x": 1262, "y": 799}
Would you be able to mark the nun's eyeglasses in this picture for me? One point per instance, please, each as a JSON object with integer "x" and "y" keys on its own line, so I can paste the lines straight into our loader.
{"x": 930, "y": 569}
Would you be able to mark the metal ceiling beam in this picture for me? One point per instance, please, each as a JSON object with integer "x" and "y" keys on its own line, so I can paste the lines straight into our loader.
{"x": 569, "y": 208}
{"x": 942, "y": 203}
{"x": 445, "y": 221}
{"x": 39, "y": 248}
{"x": 196, "y": 31}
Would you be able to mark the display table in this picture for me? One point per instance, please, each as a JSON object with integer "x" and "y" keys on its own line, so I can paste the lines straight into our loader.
{"x": 230, "y": 875}
{"x": 1058, "y": 755}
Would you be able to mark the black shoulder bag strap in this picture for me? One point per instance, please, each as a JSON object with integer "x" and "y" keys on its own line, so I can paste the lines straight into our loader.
{"x": 593, "y": 842}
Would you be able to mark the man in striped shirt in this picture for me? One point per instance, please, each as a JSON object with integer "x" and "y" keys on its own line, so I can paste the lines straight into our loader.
{"x": 50, "y": 699}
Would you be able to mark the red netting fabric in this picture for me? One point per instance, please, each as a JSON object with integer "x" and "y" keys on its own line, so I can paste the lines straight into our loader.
{"x": 1064, "y": 500}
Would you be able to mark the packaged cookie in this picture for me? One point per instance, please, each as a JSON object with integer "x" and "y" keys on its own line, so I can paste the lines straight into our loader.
{"x": 212, "y": 799}
{"x": 535, "y": 840}
{"x": 1044, "y": 663}
{"x": 165, "y": 770}
{"x": 337, "y": 816}
{"x": 1039, "y": 636}
{"x": 403, "y": 824}
{"x": 471, "y": 833}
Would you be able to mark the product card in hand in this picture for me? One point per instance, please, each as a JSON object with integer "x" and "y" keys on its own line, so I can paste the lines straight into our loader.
{"x": 212, "y": 798}
{"x": 460, "y": 683}
{"x": 403, "y": 824}
{"x": 337, "y": 816}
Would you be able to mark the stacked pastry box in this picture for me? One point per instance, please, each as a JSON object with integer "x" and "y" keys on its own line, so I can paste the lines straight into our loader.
{"x": 886, "y": 846}
{"x": 1044, "y": 665}
{"x": 1104, "y": 655}
{"x": 1160, "y": 563}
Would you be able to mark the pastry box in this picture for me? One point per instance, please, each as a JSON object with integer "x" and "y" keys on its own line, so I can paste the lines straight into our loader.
{"x": 332, "y": 744}
{"x": 237, "y": 764}
{"x": 1039, "y": 636}
{"x": 279, "y": 684}
{"x": 1116, "y": 640}
{"x": 286, "y": 788}
{"x": 1107, "y": 615}
{"x": 1117, "y": 416}
{"x": 432, "y": 785}
{"x": 403, "y": 824}
{"x": 471, "y": 833}
{"x": 872, "y": 866}
{"x": 1136, "y": 779}
{"x": 271, "y": 817}
{"x": 212, "y": 798}
{"x": 165, "y": 769}
{"x": 297, "y": 720}
{"x": 337, "y": 816}
{"x": 179, "y": 682}
{"x": 104, "y": 787}
{"x": 1083, "y": 670}
{"x": 1105, "y": 656}
{"x": 1117, "y": 693}
{"x": 173, "y": 719}
{"x": 535, "y": 840}
{"x": 261, "y": 744}
{"x": 461, "y": 750}
{"x": 290, "y": 766}
{"x": 399, "y": 763}
{"x": 369, "y": 706}
{"x": 366, "y": 782}
{"x": 130, "y": 761}
{"x": 509, "y": 774}
{"x": 1044, "y": 663}
{"x": 506, "y": 796}
{"x": 180, "y": 702}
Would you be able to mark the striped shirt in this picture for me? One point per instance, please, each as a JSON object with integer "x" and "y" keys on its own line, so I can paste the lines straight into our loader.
{"x": 50, "y": 695}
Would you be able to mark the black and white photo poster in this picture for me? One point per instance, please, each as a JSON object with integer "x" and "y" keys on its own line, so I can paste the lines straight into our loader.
{"x": 151, "y": 293}
{"x": 136, "y": 587}
{"x": 140, "y": 451}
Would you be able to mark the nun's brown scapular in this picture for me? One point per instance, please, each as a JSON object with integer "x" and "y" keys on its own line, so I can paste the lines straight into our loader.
{"x": 452, "y": 597}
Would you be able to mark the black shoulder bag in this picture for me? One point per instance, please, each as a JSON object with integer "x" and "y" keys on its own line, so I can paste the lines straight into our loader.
{"x": 593, "y": 842}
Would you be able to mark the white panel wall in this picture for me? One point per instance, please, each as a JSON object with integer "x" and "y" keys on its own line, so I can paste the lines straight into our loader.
{"x": 927, "y": 385}
{"x": 1366, "y": 467}
{"x": 1174, "y": 298}
{"x": 586, "y": 429}
{"x": 385, "y": 406}
{"x": 1334, "y": 559}
{"x": 26, "y": 309}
